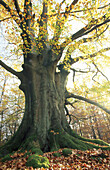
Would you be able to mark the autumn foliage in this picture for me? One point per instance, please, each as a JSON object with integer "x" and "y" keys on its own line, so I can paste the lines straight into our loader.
{"x": 90, "y": 159}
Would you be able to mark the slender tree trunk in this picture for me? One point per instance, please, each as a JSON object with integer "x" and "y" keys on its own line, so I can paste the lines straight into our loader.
{"x": 97, "y": 126}
{"x": 92, "y": 128}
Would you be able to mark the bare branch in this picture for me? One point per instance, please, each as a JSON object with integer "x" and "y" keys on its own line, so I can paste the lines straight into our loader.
{"x": 81, "y": 71}
{"x": 98, "y": 70}
{"x": 69, "y": 103}
{"x": 18, "y": 74}
{"x": 71, "y": 95}
{"x": 5, "y": 19}
{"x": 94, "y": 76}
{"x": 71, "y": 115}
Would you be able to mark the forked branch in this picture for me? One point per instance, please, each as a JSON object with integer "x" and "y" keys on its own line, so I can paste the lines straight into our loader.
{"x": 98, "y": 70}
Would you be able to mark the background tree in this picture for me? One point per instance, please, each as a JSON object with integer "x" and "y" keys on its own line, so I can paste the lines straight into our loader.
{"x": 88, "y": 120}
{"x": 50, "y": 46}
{"x": 11, "y": 106}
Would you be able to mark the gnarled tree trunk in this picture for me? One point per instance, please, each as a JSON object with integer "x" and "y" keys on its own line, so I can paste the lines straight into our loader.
{"x": 44, "y": 124}
{"x": 44, "y": 91}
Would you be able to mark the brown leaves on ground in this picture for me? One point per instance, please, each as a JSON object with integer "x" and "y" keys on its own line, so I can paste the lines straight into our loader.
{"x": 78, "y": 160}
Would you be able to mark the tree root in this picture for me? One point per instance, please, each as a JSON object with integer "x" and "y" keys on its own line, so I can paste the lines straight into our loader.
{"x": 65, "y": 140}
{"x": 57, "y": 140}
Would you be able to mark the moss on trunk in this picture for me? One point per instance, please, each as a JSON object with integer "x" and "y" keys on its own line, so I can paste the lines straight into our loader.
{"x": 44, "y": 126}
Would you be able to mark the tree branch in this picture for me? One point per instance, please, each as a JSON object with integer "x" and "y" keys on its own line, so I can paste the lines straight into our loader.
{"x": 60, "y": 20}
{"x": 71, "y": 95}
{"x": 68, "y": 60}
{"x": 91, "y": 8}
{"x": 9, "y": 69}
{"x": 67, "y": 113}
{"x": 74, "y": 60}
{"x": 42, "y": 21}
{"x": 95, "y": 76}
{"x": 68, "y": 9}
{"x": 28, "y": 13}
{"x": 98, "y": 70}
{"x": 69, "y": 103}
{"x": 61, "y": 3}
{"x": 91, "y": 26}
{"x": 5, "y": 5}
{"x": 77, "y": 11}
{"x": 72, "y": 47}
{"x": 5, "y": 19}
{"x": 18, "y": 8}
{"x": 81, "y": 71}
{"x": 96, "y": 26}
{"x": 3, "y": 89}
{"x": 12, "y": 12}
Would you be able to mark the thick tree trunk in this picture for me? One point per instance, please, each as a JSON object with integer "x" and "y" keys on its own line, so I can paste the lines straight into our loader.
{"x": 44, "y": 124}
{"x": 44, "y": 91}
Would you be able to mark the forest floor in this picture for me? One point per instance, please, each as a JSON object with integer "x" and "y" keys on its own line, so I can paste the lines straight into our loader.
{"x": 78, "y": 160}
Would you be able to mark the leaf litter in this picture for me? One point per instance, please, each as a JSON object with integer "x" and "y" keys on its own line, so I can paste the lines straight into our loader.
{"x": 78, "y": 160}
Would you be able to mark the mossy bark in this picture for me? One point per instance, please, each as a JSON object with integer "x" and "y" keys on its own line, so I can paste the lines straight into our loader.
{"x": 44, "y": 124}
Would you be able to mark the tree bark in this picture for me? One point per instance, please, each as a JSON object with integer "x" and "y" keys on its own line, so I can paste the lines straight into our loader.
{"x": 44, "y": 124}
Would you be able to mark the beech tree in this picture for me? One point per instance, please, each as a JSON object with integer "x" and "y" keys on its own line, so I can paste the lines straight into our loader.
{"x": 49, "y": 41}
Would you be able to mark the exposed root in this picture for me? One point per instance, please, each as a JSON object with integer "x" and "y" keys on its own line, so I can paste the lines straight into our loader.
{"x": 65, "y": 140}
{"x": 56, "y": 141}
